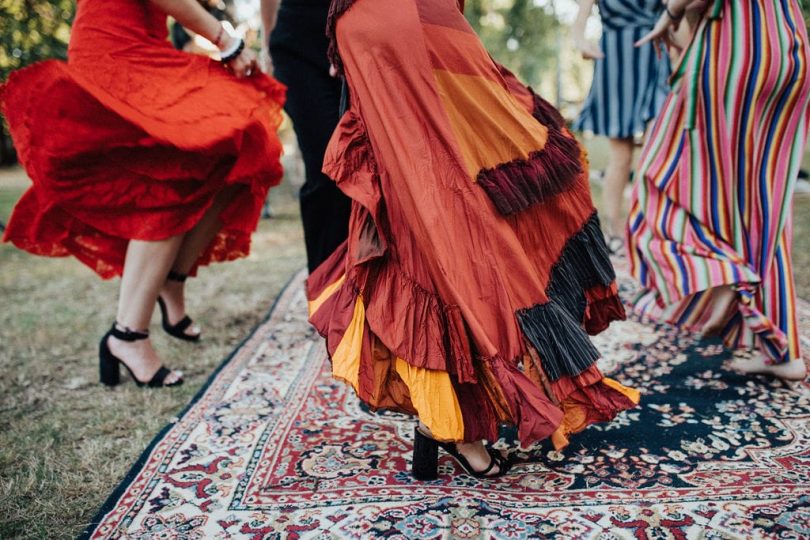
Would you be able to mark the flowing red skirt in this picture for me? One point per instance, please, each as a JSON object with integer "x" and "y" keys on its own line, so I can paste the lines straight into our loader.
{"x": 131, "y": 139}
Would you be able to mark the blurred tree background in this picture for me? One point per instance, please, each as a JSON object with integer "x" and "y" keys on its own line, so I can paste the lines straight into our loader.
{"x": 521, "y": 34}
{"x": 31, "y": 31}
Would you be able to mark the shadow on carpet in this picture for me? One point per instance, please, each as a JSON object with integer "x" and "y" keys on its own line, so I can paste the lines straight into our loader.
{"x": 274, "y": 448}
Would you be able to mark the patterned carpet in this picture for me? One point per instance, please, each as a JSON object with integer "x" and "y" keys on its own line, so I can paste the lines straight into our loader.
{"x": 274, "y": 448}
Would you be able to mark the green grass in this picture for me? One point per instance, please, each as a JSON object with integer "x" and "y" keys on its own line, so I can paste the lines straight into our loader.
{"x": 65, "y": 441}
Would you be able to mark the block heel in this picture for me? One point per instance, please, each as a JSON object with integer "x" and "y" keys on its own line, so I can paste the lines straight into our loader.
{"x": 425, "y": 465}
{"x": 109, "y": 372}
{"x": 109, "y": 364}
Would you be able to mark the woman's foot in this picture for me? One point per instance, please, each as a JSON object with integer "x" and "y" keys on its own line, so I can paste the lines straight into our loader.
{"x": 173, "y": 310}
{"x": 793, "y": 370}
{"x": 479, "y": 457}
{"x": 475, "y": 458}
{"x": 723, "y": 301}
{"x": 141, "y": 359}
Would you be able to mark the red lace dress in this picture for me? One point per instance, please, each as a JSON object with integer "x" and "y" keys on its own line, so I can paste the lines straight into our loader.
{"x": 131, "y": 139}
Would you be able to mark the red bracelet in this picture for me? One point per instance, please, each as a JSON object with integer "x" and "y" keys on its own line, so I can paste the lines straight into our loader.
{"x": 218, "y": 41}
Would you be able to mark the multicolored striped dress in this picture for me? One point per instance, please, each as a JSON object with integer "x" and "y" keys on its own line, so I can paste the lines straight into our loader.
{"x": 475, "y": 267}
{"x": 630, "y": 83}
{"x": 713, "y": 206}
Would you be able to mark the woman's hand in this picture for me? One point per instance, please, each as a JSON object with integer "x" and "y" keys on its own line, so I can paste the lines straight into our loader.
{"x": 669, "y": 19}
{"x": 665, "y": 30}
{"x": 660, "y": 35}
{"x": 588, "y": 49}
{"x": 244, "y": 65}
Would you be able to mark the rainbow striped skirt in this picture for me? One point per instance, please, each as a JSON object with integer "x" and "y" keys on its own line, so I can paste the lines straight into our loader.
{"x": 713, "y": 204}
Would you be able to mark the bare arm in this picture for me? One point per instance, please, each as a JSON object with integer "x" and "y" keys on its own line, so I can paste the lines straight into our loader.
{"x": 269, "y": 17}
{"x": 193, "y": 16}
{"x": 269, "y": 12}
{"x": 589, "y": 50}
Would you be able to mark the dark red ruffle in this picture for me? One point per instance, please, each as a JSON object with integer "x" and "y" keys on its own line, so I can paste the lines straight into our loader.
{"x": 531, "y": 411}
{"x": 545, "y": 113}
{"x": 603, "y": 306}
{"x": 519, "y": 184}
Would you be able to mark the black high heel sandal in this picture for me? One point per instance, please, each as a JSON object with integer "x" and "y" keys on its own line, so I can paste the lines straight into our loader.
{"x": 108, "y": 363}
{"x": 426, "y": 459}
{"x": 176, "y": 330}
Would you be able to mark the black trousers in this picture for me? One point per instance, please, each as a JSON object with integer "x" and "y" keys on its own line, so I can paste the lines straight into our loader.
{"x": 298, "y": 46}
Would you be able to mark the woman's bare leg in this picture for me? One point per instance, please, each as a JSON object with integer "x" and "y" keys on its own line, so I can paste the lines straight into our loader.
{"x": 722, "y": 302}
{"x": 475, "y": 453}
{"x": 617, "y": 175}
{"x": 145, "y": 269}
{"x": 194, "y": 242}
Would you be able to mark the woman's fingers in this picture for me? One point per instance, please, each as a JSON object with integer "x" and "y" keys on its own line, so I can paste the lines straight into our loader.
{"x": 244, "y": 65}
{"x": 591, "y": 52}
{"x": 249, "y": 59}
{"x": 588, "y": 50}
{"x": 659, "y": 31}
{"x": 238, "y": 67}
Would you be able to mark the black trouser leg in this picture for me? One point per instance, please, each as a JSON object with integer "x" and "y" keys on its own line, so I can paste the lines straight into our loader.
{"x": 313, "y": 101}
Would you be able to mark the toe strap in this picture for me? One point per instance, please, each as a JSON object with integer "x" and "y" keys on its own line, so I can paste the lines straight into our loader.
{"x": 183, "y": 325}
{"x": 492, "y": 463}
{"x": 159, "y": 378}
{"x": 504, "y": 464}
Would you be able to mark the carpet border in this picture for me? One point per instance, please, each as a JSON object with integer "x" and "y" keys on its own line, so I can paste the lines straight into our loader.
{"x": 136, "y": 467}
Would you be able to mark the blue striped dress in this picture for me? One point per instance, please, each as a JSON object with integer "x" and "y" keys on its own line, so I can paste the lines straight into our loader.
{"x": 629, "y": 84}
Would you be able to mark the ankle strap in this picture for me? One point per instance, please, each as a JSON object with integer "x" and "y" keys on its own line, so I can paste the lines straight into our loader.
{"x": 123, "y": 333}
{"x": 176, "y": 276}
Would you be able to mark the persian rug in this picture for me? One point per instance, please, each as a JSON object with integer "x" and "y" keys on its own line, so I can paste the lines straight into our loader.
{"x": 272, "y": 447}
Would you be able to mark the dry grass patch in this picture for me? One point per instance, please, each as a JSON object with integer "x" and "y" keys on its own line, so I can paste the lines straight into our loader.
{"x": 66, "y": 441}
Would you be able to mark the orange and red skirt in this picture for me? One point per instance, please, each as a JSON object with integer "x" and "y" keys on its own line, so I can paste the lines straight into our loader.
{"x": 475, "y": 267}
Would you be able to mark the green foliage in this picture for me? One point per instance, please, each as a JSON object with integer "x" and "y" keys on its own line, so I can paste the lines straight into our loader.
{"x": 518, "y": 33}
{"x": 33, "y": 31}
{"x": 30, "y": 31}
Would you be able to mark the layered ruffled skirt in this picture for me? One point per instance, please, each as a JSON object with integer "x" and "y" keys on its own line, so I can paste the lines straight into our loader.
{"x": 475, "y": 268}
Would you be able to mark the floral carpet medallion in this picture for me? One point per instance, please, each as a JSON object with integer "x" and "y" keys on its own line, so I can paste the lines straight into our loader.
{"x": 274, "y": 448}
